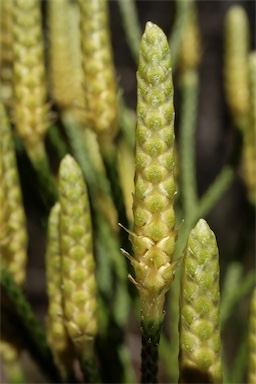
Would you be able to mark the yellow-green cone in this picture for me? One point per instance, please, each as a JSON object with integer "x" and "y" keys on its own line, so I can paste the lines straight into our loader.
{"x": 13, "y": 236}
{"x": 57, "y": 336}
{"x": 6, "y": 57}
{"x": 78, "y": 267}
{"x": 252, "y": 341}
{"x": 65, "y": 77}
{"x": 190, "y": 49}
{"x": 200, "y": 340}
{"x": 31, "y": 110}
{"x": 154, "y": 237}
{"x": 236, "y": 64}
{"x": 59, "y": 53}
{"x": 249, "y": 136}
{"x": 99, "y": 76}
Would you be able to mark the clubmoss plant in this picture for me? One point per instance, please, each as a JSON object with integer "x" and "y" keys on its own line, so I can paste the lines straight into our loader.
{"x": 93, "y": 318}
{"x": 154, "y": 236}
{"x": 190, "y": 47}
{"x": 13, "y": 237}
{"x": 31, "y": 109}
{"x": 57, "y": 336}
{"x": 99, "y": 75}
{"x": 65, "y": 56}
{"x": 236, "y": 64}
{"x": 59, "y": 53}
{"x": 78, "y": 266}
{"x": 200, "y": 340}
{"x": 249, "y": 136}
{"x": 13, "y": 234}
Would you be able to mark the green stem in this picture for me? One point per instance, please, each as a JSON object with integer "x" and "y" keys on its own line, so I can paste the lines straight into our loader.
{"x": 56, "y": 141}
{"x": 187, "y": 142}
{"x": 149, "y": 353}
{"x": 182, "y": 12}
{"x": 131, "y": 26}
{"x": 78, "y": 146}
{"x": 30, "y": 329}
{"x": 46, "y": 181}
{"x": 215, "y": 191}
{"x": 109, "y": 156}
{"x": 13, "y": 372}
{"x": 89, "y": 369}
{"x": 73, "y": 131}
{"x": 127, "y": 122}
{"x": 125, "y": 358}
{"x": 234, "y": 296}
{"x": 239, "y": 365}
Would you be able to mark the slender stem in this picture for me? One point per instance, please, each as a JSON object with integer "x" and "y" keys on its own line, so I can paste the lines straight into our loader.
{"x": 187, "y": 142}
{"x": 89, "y": 369}
{"x": 241, "y": 360}
{"x": 78, "y": 145}
{"x": 30, "y": 329}
{"x": 215, "y": 191}
{"x": 149, "y": 353}
{"x": 48, "y": 188}
{"x": 109, "y": 155}
{"x": 125, "y": 358}
{"x": 131, "y": 26}
{"x": 46, "y": 180}
{"x": 127, "y": 122}
{"x": 73, "y": 131}
{"x": 56, "y": 141}
{"x": 230, "y": 300}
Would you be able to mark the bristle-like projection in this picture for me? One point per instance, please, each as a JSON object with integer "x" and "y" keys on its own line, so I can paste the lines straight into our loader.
{"x": 252, "y": 341}
{"x": 236, "y": 64}
{"x": 200, "y": 339}
{"x": 57, "y": 336}
{"x": 13, "y": 236}
{"x": 154, "y": 237}
{"x": 31, "y": 110}
{"x": 78, "y": 266}
{"x": 6, "y": 60}
{"x": 100, "y": 87}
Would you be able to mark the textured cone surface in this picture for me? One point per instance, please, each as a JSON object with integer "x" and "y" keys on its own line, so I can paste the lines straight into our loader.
{"x": 78, "y": 269}
{"x": 65, "y": 75}
{"x": 200, "y": 343}
{"x": 249, "y": 137}
{"x": 236, "y": 63}
{"x": 57, "y": 336}
{"x": 31, "y": 110}
{"x": 6, "y": 59}
{"x": 99, "y": 76}
{"x": 190, "y": 50}
{"x": 154, "y": 218}
{"x": 13, "y": 236}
